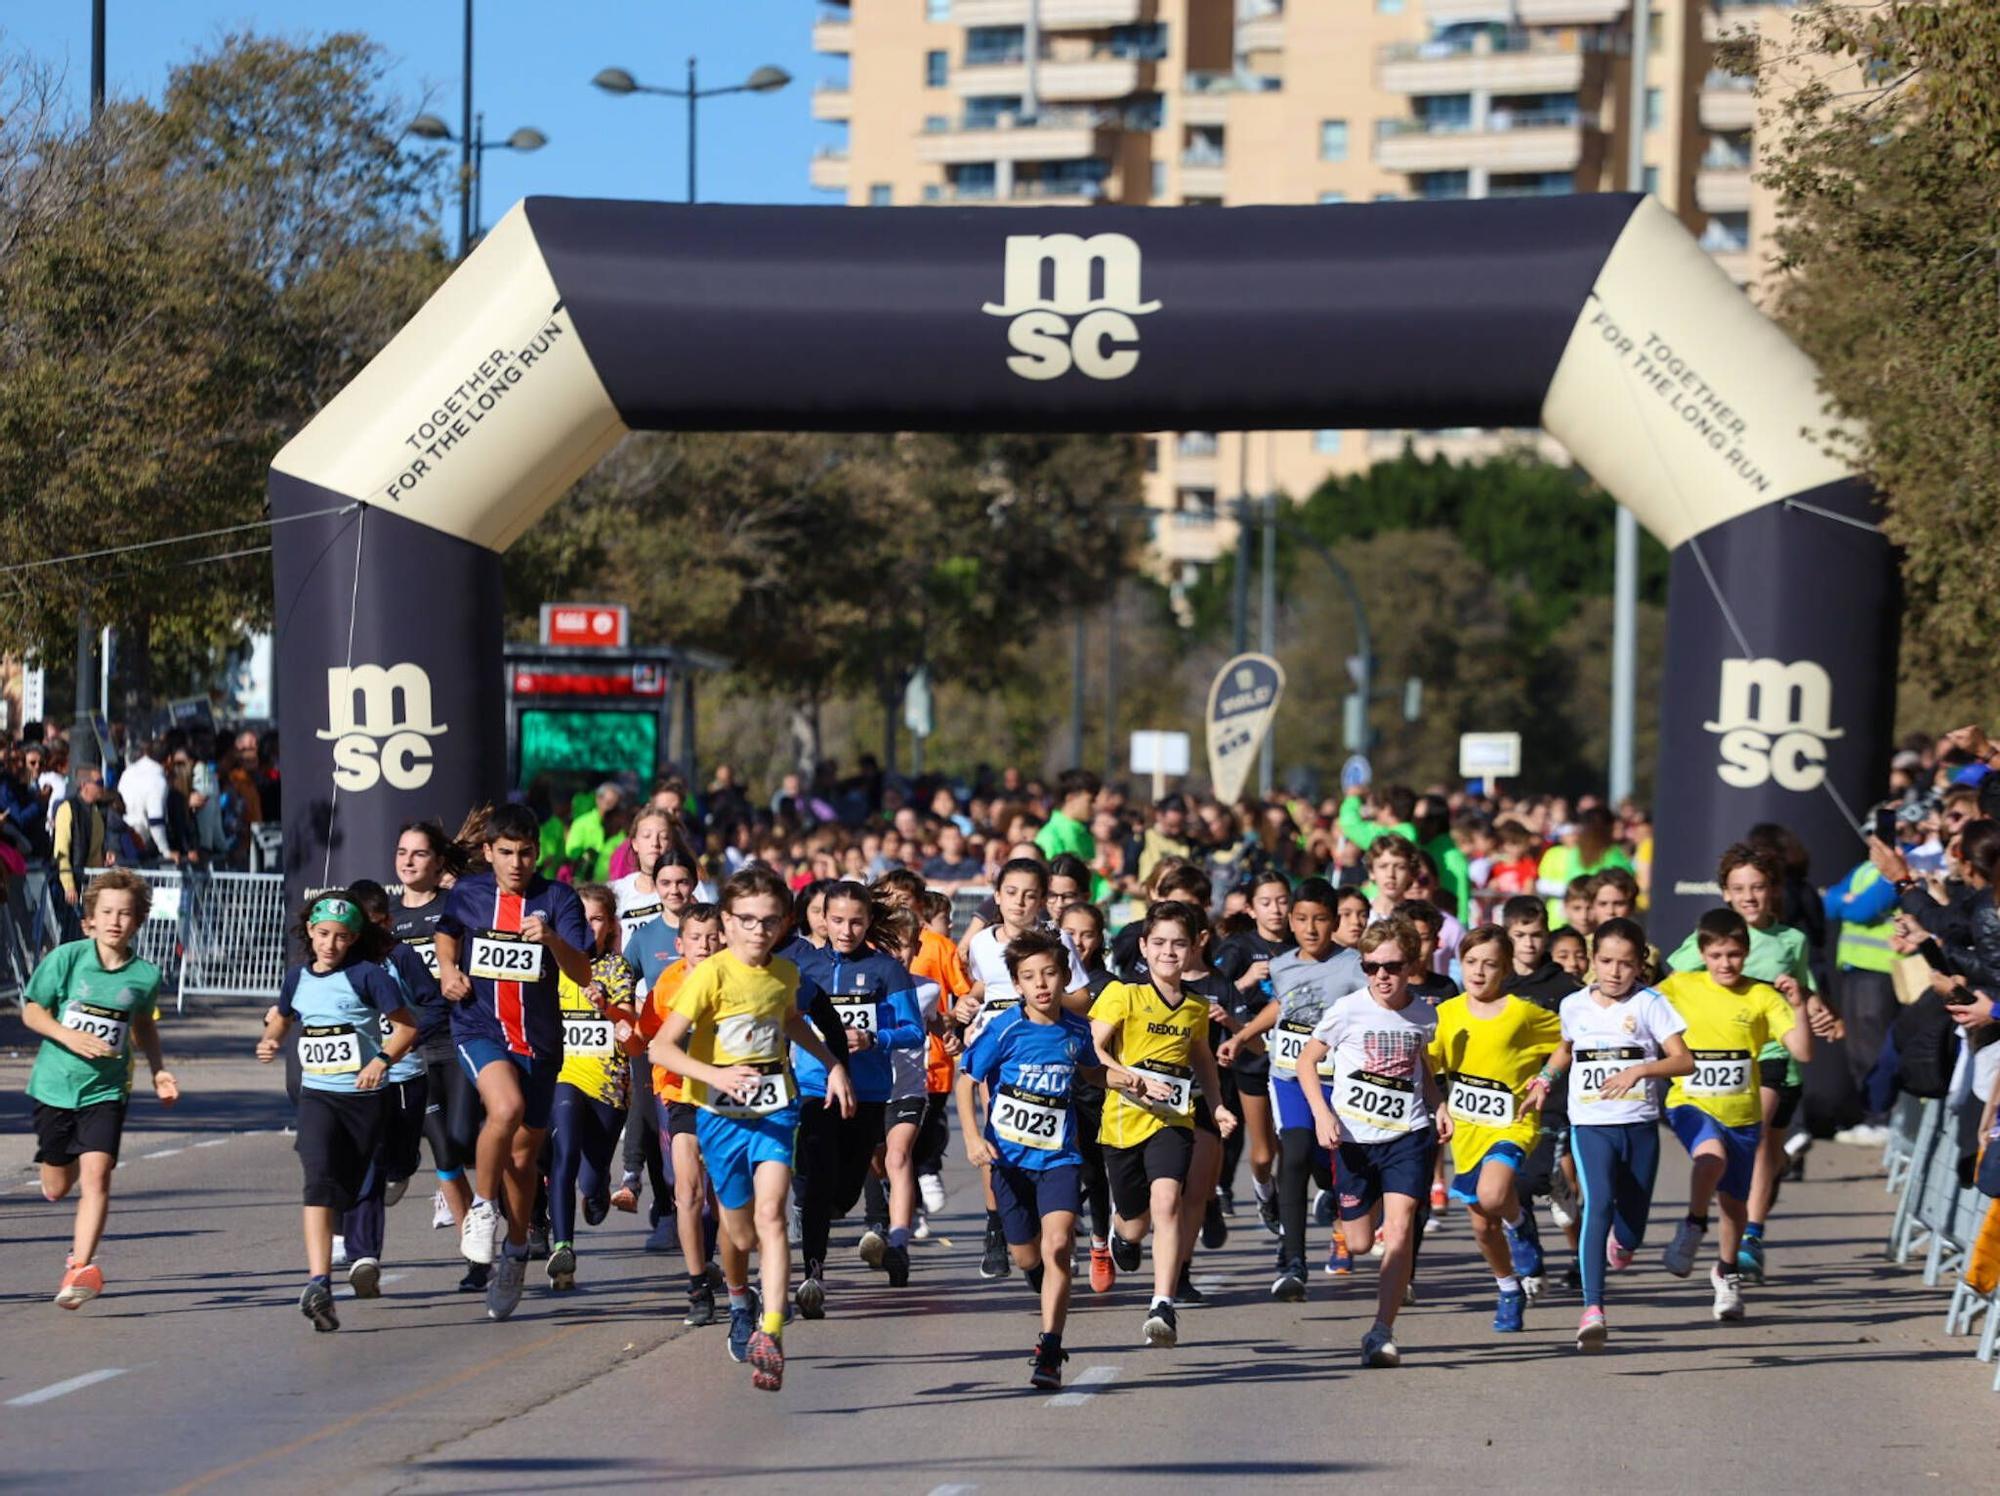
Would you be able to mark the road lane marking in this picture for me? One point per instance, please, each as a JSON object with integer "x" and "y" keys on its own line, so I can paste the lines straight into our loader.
{"x": 1084, "y": 1386}
{"x": 211, "y": 1142}
{"x": 62, "y": 1389}
{"x": 163, "y": 1153}
{"x": 954, "y": 1488}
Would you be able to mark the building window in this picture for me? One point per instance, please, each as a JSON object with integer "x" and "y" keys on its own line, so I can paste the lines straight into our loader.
{"x": 1656, "y": 108}
{"x": 1388, "y": 7}
{"x": 937, "y": 10}
{"x": 937, "y": 67}
{"x": 937, "y": 124}
{"x": 1152, "y": 447}
{"x": 1333, "y": 140}
{"x": 1329, "y": 199}
{"x": 995, "y": 44}
{"x": 1388, "y": 197}
{"x": 933, "y": 192}
{"x": 1434, "y": 186}
{"x": 1326, "y": 442}
{"x": 983, "y": 112}
{"x": 1649, "y": 181}
{"x": 1159, "y": 179}
{"x": 881, "y": 195}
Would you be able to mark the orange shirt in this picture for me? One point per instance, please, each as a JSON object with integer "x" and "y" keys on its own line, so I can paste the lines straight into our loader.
{"x": 938, "y": 961}
{"x": 666, "y": 1084}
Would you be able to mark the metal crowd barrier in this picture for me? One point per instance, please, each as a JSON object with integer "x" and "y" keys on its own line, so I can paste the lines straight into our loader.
{"x": 215, "y": 934}
{"x": 1938, "y": 1214}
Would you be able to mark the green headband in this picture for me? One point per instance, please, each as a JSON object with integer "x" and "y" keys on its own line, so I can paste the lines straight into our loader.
{"x": 336, "y": 911}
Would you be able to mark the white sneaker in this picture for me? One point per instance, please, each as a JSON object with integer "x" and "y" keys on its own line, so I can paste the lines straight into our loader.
{"x": 480, "y": 1232}
{"x": 932, "y": 1189}
{"x": 340, "y": 1251}
{"x": 1378, "y": 1349}
{"x": 440, "y": 1212}
{"x": 365, "y": 1278}
{"x": 1728, "y": 1293}
{"x": 923, "y": 1231}
{"x": 1867, "y": 1135}
{"x": 503, "y": 1289}
{"x": 1679, "y": 1256}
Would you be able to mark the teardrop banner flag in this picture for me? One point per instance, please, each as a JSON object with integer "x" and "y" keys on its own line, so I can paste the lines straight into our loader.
{"x": 1241, "y": 705}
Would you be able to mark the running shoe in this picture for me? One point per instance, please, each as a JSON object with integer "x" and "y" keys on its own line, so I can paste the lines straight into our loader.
{"x": 1563, "y": 1204}
{"x": 477, "y": 1275}
{"x": 896, "y": 1263}
{"x": 1186, "y": 1295}
{"x": 441, "y": 1216}
{"x": 1162, "y": 1329}
{"x": 873, "y": 1244}
{"x": 1573, "y": 1278}
{"x": 994, "y": 1261}
{"x": 811, "y": 1298}
{"x": 932, "y": 1189}
{"x": 1617, "y": 1256}
{"x": 1509, "y": 1311}
{"x": 626, "y": 1196}
{"x": 1048, "y": 1365}
{"x": 922, "y": 1231}
{"x": 1214, "y": 1226}
{"x": 1228, "y": 1198}
{"x": 316, "y": 1304}
{"x": 1290, "y": 1286}
{"x": 1728, "y": 1292}
{"x": 80, "y": 1284}
{"x": 1378, "y": 1349}
{"x": 1380, "y": 1246}
{"x": 539, "y": 1245}
{"x": 1339, "y": 1262}
{"x": 701, "y": 1306}
{"x": 394, "y": 1191}
{"x": 365, "y": 1278}
{"x": 1750, "y": 1259}
{"x": 595, "y": 1208}
{"x": 340, "y": 1251}
{"x": 503, "y": 1292}
{"x": 1127, "y": 1255}
{"x": 1103, "y": 1271}
{"x": 1323, "y": 1208}
{"x": 1267, "y": 1214}
{"x": 1679, "y": 1256}
{"x": 742, "y": 1325}
{"x": 1437, "y": 1197}
{"x": 664, "y": 1237}
{"x": 1531, "y": 1285}
{"x": 1591, "y": 1331}
{"x": 562, "y": 1267}
{"x": 480, "y": 1233}
{"x": 1410, "y": 1294}
{"x": 1032, "y": 1276}
{"x": 795, "y": 1225}
{"x": 767, "y": 1362}
{"x": 1524, "y": 1248}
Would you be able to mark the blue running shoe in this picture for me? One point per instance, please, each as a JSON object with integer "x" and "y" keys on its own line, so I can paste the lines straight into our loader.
{"x": 742, "y": 1325}
{"x": 1338, "y": 1263}
{"x": 1524, "y": 1246}
{"x": 1508, "y": 1311}
{"x": 1750, "y": 1259}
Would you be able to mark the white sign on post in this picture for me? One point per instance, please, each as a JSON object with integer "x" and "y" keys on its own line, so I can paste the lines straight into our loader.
{"x": 1242, "y": 702}
{"x": 1489, "y": 755}
{"x": 34, "y": 686}
{"x": 1160, "y": 754}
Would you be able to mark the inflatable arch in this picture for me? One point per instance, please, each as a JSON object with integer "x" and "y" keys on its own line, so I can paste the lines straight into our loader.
{"x": 1596, "y": 317}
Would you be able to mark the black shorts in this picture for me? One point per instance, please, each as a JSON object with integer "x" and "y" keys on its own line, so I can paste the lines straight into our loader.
{"x": 1772, "y": 1074}
{"x": 680, "y": 1118}
{"x": 63, "y": 1133}
{"x": 1164, "y": 1155}
{"x": 338, "y": 1134}
{"x": 907, "y": 1111}
{"x": 1253, "y": 1075}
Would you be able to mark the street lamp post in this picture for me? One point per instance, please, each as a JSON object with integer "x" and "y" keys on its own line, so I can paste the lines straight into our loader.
{"x": 473, "y": 146}
{"x": 619, "y": 81}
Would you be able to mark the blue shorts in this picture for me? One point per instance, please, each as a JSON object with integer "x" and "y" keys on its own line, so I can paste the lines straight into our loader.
{"x": 1693, "y": 1127}
{"x": 1288, "y": 1099}
{"x": 733, "y": 1147}
{"x": 1465, "y": 1187}
{"x": 1401, "y": 1166}
{"x": 1026, "y": 1195}
{"x": 537, "y": 1075}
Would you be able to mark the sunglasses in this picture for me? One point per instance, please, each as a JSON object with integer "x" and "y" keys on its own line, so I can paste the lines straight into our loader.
{"x": 1376, "y": 968}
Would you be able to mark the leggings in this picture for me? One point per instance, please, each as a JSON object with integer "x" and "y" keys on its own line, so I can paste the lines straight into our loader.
{"x": 583, "y": 1133}
{"x": 1300, "y": 1158}
{"x": 452, "y": 1117}
{"x": 833, "y": 1154}
{"x": 642, "y": 1138}
{"x": 395, "y": 1158}
{"x": 1615, "y": 1164}
{"x": 1089, "y": 1102}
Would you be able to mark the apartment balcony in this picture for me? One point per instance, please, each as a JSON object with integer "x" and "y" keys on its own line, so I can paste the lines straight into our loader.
{"x": 1203, "y": 174}
{"x": 1053, "y": 135}
{"x": 1722, "y": 185}
{"x": 1054, "y": 15}
{"x": 1469, "y": 444}
{"x": 834, "y": 34}
{"x": 1061, "y": 192}
{"x": 1058, "y": 78}
{"x": 833, "y": 103}
{"x": 1728, "y": 102}
{"x": 1197, "y": 535}
{"x": 1570, "y": 12}
{"x": 1195, "y": 462}
{"x": 1464, "y": 12}
{"x": 1261, "y": 30}
{"x": 1511, "y": 142}
{"x": 829, "y": 172}
{"x": 1525, "y": 63}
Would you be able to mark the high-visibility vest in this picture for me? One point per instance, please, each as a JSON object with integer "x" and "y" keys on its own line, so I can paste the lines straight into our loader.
{"x": 1866, "y": 947}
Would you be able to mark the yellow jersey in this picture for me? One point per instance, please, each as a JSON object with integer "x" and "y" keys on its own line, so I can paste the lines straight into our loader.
{"x": 593, "y": 1053}
{"x": 1484, "y": 1066}
{"x": 1157, "y": 1041}
{"x": 738, "y": 1015}
{"x": 1726, "y": 1027}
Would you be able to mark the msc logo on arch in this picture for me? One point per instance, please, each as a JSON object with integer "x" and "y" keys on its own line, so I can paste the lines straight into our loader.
{"x": 1072, "y": 301}
{"x": 1774, "y": 721}
{"x": 379, "y": 722}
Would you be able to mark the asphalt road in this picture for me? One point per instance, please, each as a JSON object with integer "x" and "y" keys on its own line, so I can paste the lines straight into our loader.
{"x": 196, "y": 1372}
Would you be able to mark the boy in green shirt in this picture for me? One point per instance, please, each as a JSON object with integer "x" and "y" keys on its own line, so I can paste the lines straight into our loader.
{"x": 89, "y": 1001}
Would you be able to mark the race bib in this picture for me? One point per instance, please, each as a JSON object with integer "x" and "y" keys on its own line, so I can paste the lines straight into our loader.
{"x": 329, "y": 1049}
{"x": 1485, "y": 1102}
{"x": 1287, "y": 1042}
{"x": 588, "y": 1037}
{"x": 1180, "y": 1105}
{"x": 773, "y": 1093}
{"x": 1027, "y": 1118}
{"x": 425, "y": 947}
{"x": 499, "y": 957}
{"x": 1718, "y": 1072}
{"x": 1596, "y": 1066}
{"x": 108, "y": 1024}
{"x": 856, "y": 1015}
{"x": 1369, "y": 1099}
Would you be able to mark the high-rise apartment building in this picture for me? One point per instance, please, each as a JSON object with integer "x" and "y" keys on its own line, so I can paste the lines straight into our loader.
{"x": 1226, "y": 102}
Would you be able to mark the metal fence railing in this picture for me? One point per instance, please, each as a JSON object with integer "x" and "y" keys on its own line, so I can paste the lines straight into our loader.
{"x": 1939, "y": 1214}
{"x": 215, "y": 934}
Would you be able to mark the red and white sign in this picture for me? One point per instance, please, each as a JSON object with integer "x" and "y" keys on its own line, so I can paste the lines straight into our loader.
{"x": 602, "y": 625}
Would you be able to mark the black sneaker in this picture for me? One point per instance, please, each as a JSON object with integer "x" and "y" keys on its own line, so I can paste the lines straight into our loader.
{"x": 1032, "y": 1276}
{"x": 562, "y": 1268}
{"x": 1048, "y": 1365}
{"x": 1214, "y": 1228}
{"x": 1573, "y": 1278}
{"x": 538, "y": 1244}
{"x": 316, "y": 1304}
{"x": 995, "y": 1263}
{"x": 896, "y": 1263}
{"x": 1186, "y": 1295}
{"x": 1290, "y": 1287}
{"x": 476, "y": 1276}
{"x": 1267, "y": 1212}
{"x": 701, "y": 1306}
{"x": 1162, "y": 1327}
{"x": 1126, "y": 1255}
{"x": 596, "y": 1207}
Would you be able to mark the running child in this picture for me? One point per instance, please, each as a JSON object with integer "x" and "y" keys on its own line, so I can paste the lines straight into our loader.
{"x": 1244, "y": 962}
{"x": 1083, "y": 926}
{"x": 897, "y": 931}
{"x": 937, "y": 961}
{"x": 90, "y": 1001}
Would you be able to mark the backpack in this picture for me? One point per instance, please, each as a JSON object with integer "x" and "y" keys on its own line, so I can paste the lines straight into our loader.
{"x": 1927, "y": 1041}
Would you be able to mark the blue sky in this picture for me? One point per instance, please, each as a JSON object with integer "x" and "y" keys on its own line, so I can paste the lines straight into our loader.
{"x": 532, "y": 66}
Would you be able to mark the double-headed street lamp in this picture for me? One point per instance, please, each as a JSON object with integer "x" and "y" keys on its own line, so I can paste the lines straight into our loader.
{"x": 429, "y": 127}
{"x": 764, "y": 80}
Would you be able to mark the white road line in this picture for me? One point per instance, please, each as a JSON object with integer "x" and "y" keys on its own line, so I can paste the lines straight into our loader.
{"x": 211, "y": 1142}
{"x": 163, "y": 1152}
{"x": 1083, "y": 1386}
{"x": 954, "y": 1488}
{"x": 63, "y": 1389}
